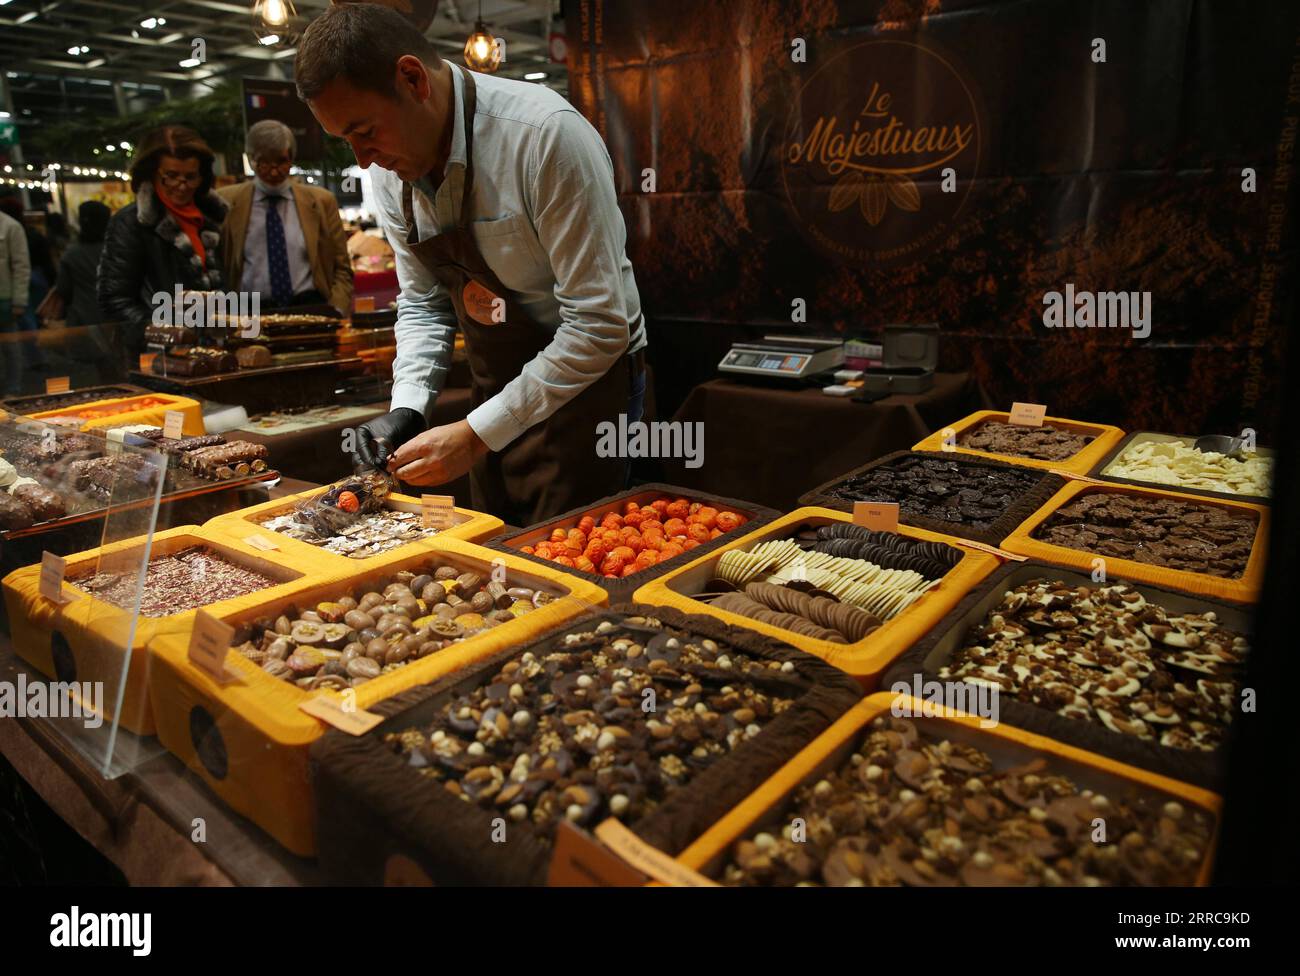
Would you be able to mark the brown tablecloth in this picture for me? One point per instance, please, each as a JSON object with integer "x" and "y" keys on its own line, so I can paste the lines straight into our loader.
{"x": 771, "y": 445}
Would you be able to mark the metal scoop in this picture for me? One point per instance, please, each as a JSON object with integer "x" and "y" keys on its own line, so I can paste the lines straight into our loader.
{"x": 1220, "y": 444}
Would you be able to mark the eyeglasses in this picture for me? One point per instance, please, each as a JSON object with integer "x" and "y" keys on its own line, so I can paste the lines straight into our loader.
{"x": 181, "y": 179}
{"x": 281, "y": 163}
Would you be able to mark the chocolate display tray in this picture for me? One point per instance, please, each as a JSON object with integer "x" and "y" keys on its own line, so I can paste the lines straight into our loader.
{"x": 621, "y": 589}
{"x": 373, "y": 812}
{"x": 937, "y": 648}
{"x": 1042, "y": 489}
{"x": 1140, "y": 436}
{"x": 261, "y": 389}
{"x": 185, "y": 484}
{"x": 1004, "y": 746}
{"x": 40, "y": 403}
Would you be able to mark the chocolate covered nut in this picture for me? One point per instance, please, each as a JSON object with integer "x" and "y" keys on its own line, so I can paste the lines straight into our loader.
{"x": 912, "y": 808}
{"x": 498, "y": 595}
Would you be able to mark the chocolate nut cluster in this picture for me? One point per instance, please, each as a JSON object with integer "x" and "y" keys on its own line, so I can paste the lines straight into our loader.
{"x": 346, "y": 642}
{"x": 602, "y": 722}
{"x": 1166, "y": 532}
{"x": 946, "y": 490}
{"x": 1045, "y": 443}
{"x": 1108, "y": 655}
{"x": 912, "y": 808}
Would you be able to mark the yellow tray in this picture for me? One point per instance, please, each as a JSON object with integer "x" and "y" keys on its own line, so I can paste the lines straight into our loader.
{"x": 87, "y": 639}
{"x": 1105, "y": 438}
{"x": 709, "y": 852}
{"x": 192, "y": 426}
{"x": 867, "y": 659}
{"x": 1244, "y": 589}
{"x": 248, "y": 739}
{"x": 470, "y": 526}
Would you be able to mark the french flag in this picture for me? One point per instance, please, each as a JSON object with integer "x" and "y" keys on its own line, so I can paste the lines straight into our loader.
{"x": 257, "y": 101}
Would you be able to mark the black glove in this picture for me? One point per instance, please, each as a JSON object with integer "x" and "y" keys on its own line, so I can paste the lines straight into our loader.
{"x": 377, "y": 439}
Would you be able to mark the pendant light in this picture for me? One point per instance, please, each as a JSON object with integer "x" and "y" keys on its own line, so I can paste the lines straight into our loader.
{"x": 482, "y": 52}
{"x": 273, "y": 21}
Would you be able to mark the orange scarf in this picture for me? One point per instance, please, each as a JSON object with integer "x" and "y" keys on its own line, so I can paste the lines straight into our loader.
{"x": 190, "y": 219}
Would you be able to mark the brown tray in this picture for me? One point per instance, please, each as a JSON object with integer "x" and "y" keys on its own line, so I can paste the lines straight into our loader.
{"x": 373, "y": 810}
{"x": 1124, "y": 445}
{"x": 1042, "y": 489}
{"x": 262, "y": 389}
{"x": 41, "y": 402}
{"x": 934, "y": 650}
{"x": 621, "y": 590}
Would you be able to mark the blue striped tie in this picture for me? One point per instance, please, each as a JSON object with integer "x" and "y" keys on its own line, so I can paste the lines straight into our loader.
{"x": 277, "y": 255}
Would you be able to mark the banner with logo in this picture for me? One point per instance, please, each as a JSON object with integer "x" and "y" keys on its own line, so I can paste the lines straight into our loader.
{"x": 1094, "y": 200}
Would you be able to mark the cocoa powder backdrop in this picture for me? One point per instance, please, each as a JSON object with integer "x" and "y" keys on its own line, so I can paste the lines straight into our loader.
{"x": 1117, "y": 176}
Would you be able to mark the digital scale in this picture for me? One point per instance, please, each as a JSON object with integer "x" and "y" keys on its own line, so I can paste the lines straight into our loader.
{"x": 783, "y": 357}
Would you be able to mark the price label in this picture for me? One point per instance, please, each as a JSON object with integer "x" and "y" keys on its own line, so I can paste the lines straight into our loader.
{"x": 579, "y": 860}
{"x": 262, "y": 542}
{"x": 991, "y": 550}
{"x": 173, "y": 420}
{"x": 209, "y": 643}
{"x": 57, "y": 384}
{"x": 647, "y": 859}
{"x": 1028, "y": 414}
{"x": 146, "y": 361}
{"x": 52, "y": 570}
{"x": 113, "y": 440}
{"x": 437, "y": 511}
{"x": 876, "y": 516}
{"x": 331, "y": 711}
{"x": 365, "y": 303}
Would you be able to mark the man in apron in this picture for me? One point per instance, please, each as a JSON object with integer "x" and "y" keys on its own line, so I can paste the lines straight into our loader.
{"x": 498, "y": 200}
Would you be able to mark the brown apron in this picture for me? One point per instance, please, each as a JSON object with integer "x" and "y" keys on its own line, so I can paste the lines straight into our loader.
{"x": 552, "y": 466}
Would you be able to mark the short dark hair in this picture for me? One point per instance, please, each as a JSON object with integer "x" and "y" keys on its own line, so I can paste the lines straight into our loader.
{"x": 92, "y": 216}
{"x": 360, "y": 43}
{"x": 178, "y": 141}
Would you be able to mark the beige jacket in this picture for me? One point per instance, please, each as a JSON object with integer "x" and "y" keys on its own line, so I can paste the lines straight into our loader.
{"x": 327, "y": 245}
{"x": 15, "y": 263}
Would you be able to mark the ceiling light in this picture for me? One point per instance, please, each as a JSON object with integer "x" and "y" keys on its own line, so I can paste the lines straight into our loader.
{"x": 124, "y": 144}
{"x": 482, "y": 52}
{"x": 535, "y": 76}
{"x": 135, "y": 34}
{"x": 95, "y": 150}
{"x": 74, "y": 49}
{"x": 269, "y": 39}
{"x": 149, "y": 23}
{"x": 29, "y": 16}
{"x": 111, "y": 147}
{"x": 187, "y": 63}
{"x": 273, "y": 13}
{"x": 4, "y": 115}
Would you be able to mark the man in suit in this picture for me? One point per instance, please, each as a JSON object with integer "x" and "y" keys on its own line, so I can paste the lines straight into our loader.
{"x": 283, "y": 238}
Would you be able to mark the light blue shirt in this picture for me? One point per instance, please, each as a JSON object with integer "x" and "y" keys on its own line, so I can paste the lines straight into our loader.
{"x": 545, "y": 217}
{"x": 257, "y": 274}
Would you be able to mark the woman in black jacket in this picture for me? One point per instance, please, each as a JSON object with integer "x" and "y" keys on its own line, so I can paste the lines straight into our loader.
{"x": 170, "y": 236}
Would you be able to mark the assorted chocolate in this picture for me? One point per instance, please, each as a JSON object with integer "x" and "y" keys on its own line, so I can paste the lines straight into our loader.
{"x": 943, "y": 489}
{"x": 910, "y": 807}
{"x": 1045, "y": 443}
{"x": 345, "y": 642}
{"x": 563, "y": 732}
{"x": 1169, "y": 532}
{"x": 185, "y": 580}
{"x": 1110, "y": 656}
{"x": 835, "y": 582}
{"x": 182, "y": 360}
{"x": 350, "y": 519}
